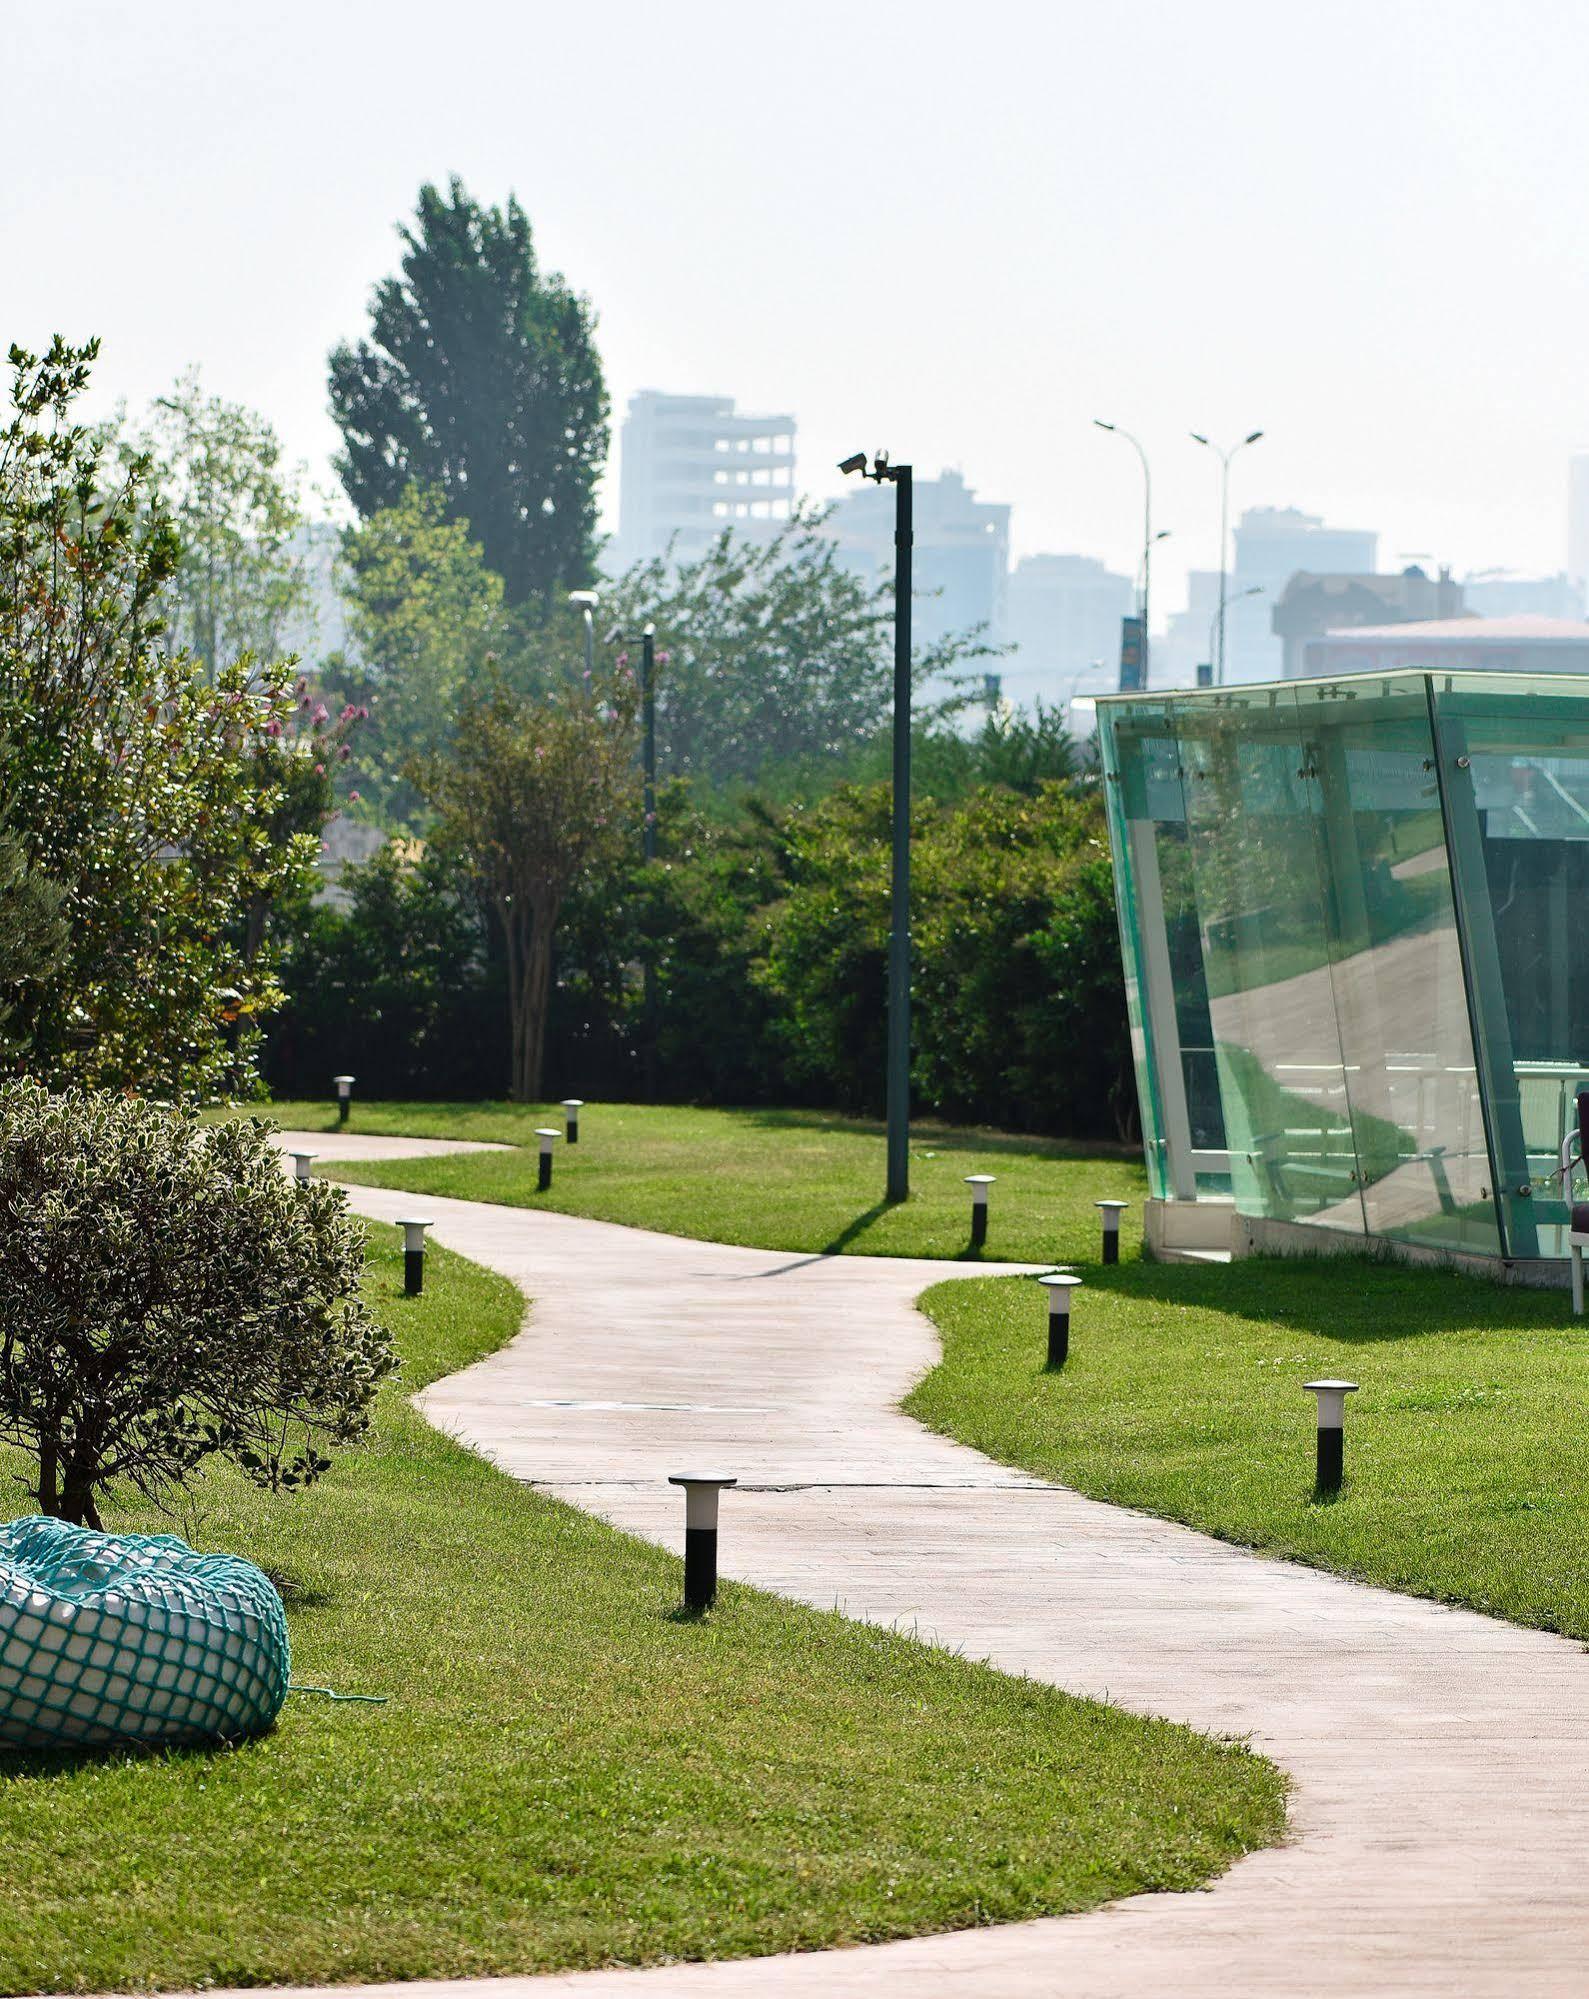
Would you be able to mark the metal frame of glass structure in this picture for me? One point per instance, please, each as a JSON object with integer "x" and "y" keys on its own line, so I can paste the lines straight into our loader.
{"x": 1355, "y": 922}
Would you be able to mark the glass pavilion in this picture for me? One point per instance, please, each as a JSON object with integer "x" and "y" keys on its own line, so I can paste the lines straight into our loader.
{"x": 1355, "y": 918}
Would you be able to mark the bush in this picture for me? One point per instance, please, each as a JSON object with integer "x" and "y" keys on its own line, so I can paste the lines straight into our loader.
{"x": 1018, "y": 1012}
{"x": 168, "y": 1295}
{"x": 399, "y": 986}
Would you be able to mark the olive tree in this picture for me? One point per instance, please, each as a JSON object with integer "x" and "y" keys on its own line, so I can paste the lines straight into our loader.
{"x": 168, "y": 1295}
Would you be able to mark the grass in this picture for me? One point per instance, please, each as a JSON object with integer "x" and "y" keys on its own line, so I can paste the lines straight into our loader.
{"x": 1467, "y": 1458}
{"x": 566, "y": 1772}
{"x": 796, "y": 1180}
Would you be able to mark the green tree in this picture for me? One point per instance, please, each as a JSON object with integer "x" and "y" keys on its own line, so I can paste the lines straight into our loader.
{"x": 143, "y": 789}
{"x": 776, "y": 661}
{"x": 217, "y": 467}
{"x": 536, "y": 795}
{"x": 427, "y": 618}
{"x": 167, "y": 1295}
{"x": 480, "y": 378}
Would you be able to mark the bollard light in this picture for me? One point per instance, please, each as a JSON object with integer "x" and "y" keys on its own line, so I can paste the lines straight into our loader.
{"x": 1332, "y": 1415}
{"x": 572, "y": 1106}
{"x": 414, "y": 1255}
{"x": 979, "y": 1183}
{"x": 301, "y": 1163}
{"x": 1111, "y": 1212}
{"x": 548, "y": 1137}
{"x": 1059, "y": 1285}
{"x": 700, "y": 1535}
{"x": 344, "y": 1097}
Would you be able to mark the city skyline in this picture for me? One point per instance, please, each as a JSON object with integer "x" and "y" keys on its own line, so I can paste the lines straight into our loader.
{"x": 1355, "y": 300}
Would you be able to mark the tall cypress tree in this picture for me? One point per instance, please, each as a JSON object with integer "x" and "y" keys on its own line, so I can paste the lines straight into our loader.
{"x": 481, "y": 378}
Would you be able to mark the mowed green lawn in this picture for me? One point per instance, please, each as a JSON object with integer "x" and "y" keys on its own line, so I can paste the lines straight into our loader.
{"x": 566, "y": 1772}
{"x": 1467, "y": 1450}
{"x": 794, "y": 1180}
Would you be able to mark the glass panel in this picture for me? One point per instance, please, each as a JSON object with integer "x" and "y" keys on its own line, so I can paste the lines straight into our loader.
{"x": 1396, "y": 964}
{"x": 1159, "y": 945}
{"x": 1522, "y": 799}
{"x": 1252, "y": 819}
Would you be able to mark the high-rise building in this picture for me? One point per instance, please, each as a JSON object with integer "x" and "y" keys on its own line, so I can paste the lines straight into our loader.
{"x": 1062, "y": 615}
{"x": 690, "y": 466}
{"x": 1273, "y": 544}
{"x": 961, "y": 556}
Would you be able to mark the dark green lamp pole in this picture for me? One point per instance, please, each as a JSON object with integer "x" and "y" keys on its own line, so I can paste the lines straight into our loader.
{"x": 898, "y": 1057}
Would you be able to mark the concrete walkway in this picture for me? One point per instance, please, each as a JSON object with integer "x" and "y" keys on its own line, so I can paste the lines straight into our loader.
{"x": 1440, "y": 1811}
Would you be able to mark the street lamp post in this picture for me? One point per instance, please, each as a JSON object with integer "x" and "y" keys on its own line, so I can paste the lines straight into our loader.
{"x": 1148, "y": 536}
{"x": 586, "y": 601}
{"x": 1216, "y": 622}
{"x": 898, "y": 1056}
{"x": 1224, "y": 456}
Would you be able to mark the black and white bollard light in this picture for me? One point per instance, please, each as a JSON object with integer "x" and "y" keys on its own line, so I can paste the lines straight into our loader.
{"x": 1111, "y": 1212}
{"x": 548, "y": 1137}
{"x": 979, "y": 1183}
{"x": 572, "y": 1106}
{"x": 1332, "y": 1414}
{"x": 414, "y": 1255}
{"x": 344, "y": 1097}
{"x": 700, "y": 1535}
{"x": 302, "y": 1162}
{"x": 1059, "y": 1285}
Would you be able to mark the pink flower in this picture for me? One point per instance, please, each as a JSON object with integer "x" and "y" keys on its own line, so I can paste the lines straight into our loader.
{"x": 321, "y": 714}
{"x": 343, "y": 754}
{"x": 348, "y": 713}
{"x": 273, "y": 727}
{"x": 623, "y": 659}
{"x": 364, "y": 714}
{"x": 306, "y": 702}
{"x": 319, "y": 770}
{"x": 663, "y": 658}
{"x": 353, "y": 798}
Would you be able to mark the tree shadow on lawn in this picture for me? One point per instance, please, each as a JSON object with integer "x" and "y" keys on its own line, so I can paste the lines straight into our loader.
{"x": 1355, "y": 1300}
{"x": 943, "y": 1137}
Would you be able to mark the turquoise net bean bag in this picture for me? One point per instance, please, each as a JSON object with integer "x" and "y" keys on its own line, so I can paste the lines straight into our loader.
{"x": 133, "y": 1638}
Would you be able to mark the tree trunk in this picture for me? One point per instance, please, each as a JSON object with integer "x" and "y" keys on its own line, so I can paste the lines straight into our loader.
{"x": 49, "y": 1457}
{"x": 529, "y": 936}
{"x": 77, "y": 1499}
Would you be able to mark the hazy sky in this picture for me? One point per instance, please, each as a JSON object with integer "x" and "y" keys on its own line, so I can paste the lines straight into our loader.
{"x": 958, "y": 231}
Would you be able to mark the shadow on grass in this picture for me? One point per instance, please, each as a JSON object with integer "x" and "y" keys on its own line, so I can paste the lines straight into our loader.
{"x": 943, "y": 1138}
{"x": 851, "y": 1230}
{"x": 1357, "y": 1300}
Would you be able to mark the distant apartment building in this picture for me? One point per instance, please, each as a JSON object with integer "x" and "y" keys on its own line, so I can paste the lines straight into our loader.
{"x": 690, "y": 466}
{"x": 1494, "y": 593}
{"x": 1522, "y": 644}
{"x": 1062, "y": 616}
{"x": 1312, "y": 605}
{"x": 961, "y": 556}
{"x": 1272, "y": 544}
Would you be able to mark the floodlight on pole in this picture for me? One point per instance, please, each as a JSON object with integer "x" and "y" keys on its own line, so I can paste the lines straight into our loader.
{"x": 897, "y": 1064}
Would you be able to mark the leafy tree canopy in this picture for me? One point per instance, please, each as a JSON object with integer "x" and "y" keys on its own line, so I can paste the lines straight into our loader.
{"x": 775, "y": 658}
{"x": 217, "y": 468}
{"x": 427, "y": 618}
{"x": 144, "y": 791}
{"x": 480, "y": 378}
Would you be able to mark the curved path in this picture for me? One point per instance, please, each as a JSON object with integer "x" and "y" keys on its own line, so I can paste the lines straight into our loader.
{"x": 1440, "y": 1812}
